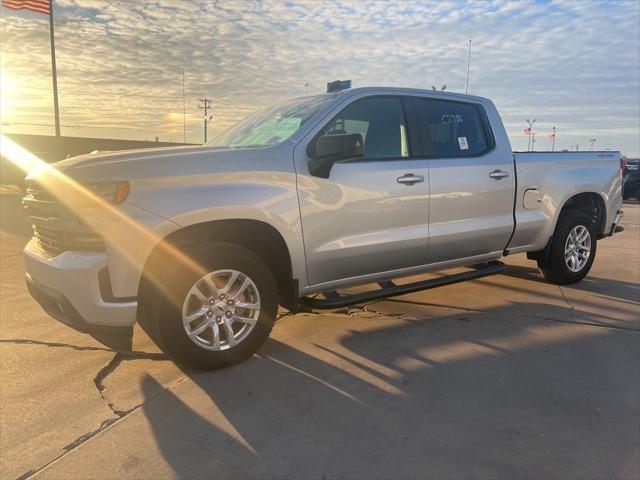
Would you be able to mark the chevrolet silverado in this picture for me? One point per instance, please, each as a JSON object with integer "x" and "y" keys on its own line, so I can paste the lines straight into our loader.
{"x": 202, "y": 244}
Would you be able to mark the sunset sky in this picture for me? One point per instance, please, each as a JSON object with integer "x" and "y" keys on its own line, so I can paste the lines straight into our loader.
{"x": 575, "y": 65}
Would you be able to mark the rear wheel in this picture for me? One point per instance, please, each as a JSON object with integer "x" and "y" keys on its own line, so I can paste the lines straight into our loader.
{"x": 219, "y": 316}
{"x": 573, "y": 249}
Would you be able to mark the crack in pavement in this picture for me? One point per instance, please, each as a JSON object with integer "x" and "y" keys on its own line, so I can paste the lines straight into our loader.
{"x": 110, "y": 367}
{"x": 566, "y": 299}
{"x": 98, "y": 381}
{"x": 27, "y": 341}
{"x": 133, "y": 355}
{"x": 87, "y": 436}
{"x": 426, "y": 304}
{"x": 83, "y": 438}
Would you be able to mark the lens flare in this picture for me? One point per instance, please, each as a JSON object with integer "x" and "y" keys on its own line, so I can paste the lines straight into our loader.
{"x": 119, "y": 231}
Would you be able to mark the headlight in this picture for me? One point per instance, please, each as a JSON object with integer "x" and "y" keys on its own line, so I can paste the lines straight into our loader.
{"x": 113, "y": 192}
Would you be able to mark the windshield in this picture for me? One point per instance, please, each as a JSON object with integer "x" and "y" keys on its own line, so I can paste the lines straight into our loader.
{"x": 272, "y": 125}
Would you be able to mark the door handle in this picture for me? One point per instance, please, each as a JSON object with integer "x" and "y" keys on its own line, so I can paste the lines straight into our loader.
{"x": 499, "y": 174}
{"x": 410, "y": 179}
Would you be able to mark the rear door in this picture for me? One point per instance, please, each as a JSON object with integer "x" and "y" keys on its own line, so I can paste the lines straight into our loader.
{"x": 471, "y": 181}
{"x": 371, "y": 214}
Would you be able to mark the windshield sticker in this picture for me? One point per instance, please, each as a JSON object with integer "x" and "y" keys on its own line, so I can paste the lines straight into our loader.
{"x": 272, "y": 132}
{"x": 462, "y": 141}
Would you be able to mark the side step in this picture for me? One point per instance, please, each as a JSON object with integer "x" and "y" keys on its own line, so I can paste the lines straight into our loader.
{"x": 387, "y": 288}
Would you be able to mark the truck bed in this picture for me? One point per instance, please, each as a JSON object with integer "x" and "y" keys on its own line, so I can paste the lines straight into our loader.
{"x": 546, "y": 180}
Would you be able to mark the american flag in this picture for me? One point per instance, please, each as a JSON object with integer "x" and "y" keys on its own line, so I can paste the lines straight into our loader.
{"x": 40, "y": 6}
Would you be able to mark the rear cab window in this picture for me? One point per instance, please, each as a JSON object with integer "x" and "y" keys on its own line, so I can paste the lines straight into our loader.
{"x": 452, "y": 129}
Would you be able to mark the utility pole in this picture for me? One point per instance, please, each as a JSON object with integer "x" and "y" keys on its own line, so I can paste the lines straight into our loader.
{"x": 466, "y": 90}
{"x": 205, "y": 104}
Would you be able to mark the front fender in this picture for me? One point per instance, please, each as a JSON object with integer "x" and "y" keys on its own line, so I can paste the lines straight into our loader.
{"x": 267, "y": 197}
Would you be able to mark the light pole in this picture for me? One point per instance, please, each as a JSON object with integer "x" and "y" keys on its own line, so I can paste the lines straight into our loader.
{"x": 530, "y": 130}
{"x": 553, "y": 139}
{"x": 592, "y": 141}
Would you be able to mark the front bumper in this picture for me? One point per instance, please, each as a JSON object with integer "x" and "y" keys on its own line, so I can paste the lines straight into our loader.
{"x": 68, "y": 287}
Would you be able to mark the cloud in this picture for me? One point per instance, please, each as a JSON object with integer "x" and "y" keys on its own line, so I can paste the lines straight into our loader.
{"x": 575, "y": 65}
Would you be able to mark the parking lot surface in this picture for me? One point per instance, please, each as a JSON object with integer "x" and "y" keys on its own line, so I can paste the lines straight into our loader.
{"x": 501, "y": 377}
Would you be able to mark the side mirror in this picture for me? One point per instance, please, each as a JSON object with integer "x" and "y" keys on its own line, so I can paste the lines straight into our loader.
{"x": 328, "y": 149}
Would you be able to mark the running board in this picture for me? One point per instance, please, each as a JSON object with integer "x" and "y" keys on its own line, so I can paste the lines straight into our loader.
{"x": 333, "y": 299}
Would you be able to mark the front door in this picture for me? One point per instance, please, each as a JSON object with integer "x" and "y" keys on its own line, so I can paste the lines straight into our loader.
{"x": 472, "y": 181}
{"x": 371, "y": 214}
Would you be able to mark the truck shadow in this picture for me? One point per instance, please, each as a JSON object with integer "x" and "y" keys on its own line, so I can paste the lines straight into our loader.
{"x": 616, "y": 289}
{"x": 473, "y": 395}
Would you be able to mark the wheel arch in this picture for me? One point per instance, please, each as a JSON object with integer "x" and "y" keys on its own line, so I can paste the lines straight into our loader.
{"x": 588, "y": 202}
{"x": 255, "y": 235}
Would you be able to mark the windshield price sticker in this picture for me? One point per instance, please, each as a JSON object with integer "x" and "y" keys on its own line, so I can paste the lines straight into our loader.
{"x": 462, "y": 141}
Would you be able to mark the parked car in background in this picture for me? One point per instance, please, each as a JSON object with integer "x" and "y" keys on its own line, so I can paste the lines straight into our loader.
{"x": 631, "y": 179}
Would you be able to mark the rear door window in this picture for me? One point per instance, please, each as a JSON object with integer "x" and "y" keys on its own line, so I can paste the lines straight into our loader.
{"x": 452, "y": 129}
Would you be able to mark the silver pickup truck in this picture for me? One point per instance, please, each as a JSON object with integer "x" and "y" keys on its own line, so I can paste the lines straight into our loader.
{"x": 296, "y": 203}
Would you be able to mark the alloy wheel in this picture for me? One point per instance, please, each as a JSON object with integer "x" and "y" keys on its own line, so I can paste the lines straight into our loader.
{"x": 577, "y": 249}
{"x": 221, "y": 309}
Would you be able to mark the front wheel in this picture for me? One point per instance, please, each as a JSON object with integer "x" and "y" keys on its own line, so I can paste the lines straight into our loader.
{"x": 573, "y": 249}
{"x": 218, "y": 314}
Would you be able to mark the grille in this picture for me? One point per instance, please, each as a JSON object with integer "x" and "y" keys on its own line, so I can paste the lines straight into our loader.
{"x": 55, "y": 228}
{"x": 58, "y": 241}
{"x": 36, "y": 191}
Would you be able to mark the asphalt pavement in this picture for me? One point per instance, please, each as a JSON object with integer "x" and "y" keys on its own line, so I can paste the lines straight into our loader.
{"x": 501, "y": 377}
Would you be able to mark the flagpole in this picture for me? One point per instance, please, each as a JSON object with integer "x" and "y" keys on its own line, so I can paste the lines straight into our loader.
{"x": 56, "y": 111}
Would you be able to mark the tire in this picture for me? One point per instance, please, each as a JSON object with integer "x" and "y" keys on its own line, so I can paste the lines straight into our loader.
{"x": 164, "y": 313}
{"x": 557, "y": 269}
